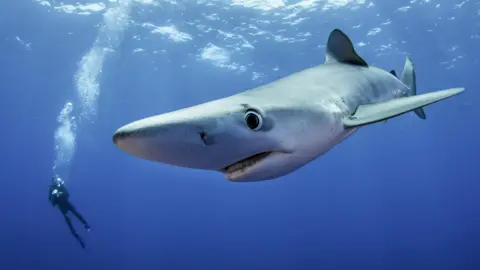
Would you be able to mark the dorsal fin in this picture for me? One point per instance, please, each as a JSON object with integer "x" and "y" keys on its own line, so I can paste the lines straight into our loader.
{"x": 393, "y": 73}
{"x": 340, "y": 49}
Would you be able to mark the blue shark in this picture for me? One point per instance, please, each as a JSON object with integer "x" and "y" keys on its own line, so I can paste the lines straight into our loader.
{"x": 275, "y": 129}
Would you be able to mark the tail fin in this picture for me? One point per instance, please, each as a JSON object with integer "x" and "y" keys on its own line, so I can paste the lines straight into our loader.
{"x": 409, "y": 79}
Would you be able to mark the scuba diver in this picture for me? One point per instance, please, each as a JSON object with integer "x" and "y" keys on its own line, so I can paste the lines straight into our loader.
{"x": 58, "y": 195}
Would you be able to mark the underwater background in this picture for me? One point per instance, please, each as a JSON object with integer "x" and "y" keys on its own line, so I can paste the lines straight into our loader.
{"x": 399, "y": 195}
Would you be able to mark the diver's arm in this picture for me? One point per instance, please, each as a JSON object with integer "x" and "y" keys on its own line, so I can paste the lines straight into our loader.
{"x": 50, "y": 198}
{"x": 64, "y": 190}
{"x": 50, "y": 190}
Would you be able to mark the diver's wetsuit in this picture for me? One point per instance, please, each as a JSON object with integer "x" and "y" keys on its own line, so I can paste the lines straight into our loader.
{"x": 58, "y": 195}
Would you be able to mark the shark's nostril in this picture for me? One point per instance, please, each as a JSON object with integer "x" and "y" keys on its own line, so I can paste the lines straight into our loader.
{"x": 207, "y": 140}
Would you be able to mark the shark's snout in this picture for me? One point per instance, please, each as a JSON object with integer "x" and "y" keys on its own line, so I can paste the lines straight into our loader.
{"x": 182, "y": 143}
{"x": 120, "y": 135}
{"x": 173, "y": 133}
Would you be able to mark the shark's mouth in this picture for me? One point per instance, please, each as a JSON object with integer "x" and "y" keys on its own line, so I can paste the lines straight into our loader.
{"x": 246, "y": 163}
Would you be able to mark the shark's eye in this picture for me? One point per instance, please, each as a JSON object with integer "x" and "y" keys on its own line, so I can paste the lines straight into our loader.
{"x": 253, "y": 120}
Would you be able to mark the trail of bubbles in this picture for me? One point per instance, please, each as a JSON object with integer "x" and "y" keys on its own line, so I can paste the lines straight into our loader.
{"x": 64, "y": 140}
{"x": 110, "y": 35}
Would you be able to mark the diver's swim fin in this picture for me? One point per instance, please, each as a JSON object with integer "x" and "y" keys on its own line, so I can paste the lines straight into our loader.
{"x": 372, "y": 113}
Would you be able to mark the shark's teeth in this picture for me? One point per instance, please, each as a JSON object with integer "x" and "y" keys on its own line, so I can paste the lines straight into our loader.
{"x": 246, "y": 163}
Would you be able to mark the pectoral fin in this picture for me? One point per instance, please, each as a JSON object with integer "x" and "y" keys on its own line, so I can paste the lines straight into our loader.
{"x": 376, "y": 112}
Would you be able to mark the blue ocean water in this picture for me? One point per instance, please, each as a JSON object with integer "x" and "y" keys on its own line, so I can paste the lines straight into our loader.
{"x": 400, "y": 195}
